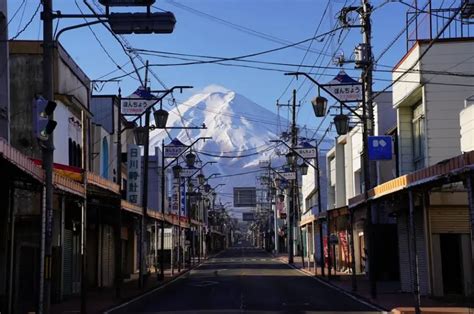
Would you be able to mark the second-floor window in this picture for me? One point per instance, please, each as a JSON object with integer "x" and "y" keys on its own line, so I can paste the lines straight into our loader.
{"x": 75, "y": 154}
{"x": 418, "y": 130}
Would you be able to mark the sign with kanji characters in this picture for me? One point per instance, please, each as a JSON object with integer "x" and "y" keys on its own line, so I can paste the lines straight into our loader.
{"x": 174, "y": 204}
{"x": 290, "y": 175}
{"x": 380, "y": 147}
{"x": 345, "y": 88}
{"x": 306, "y": 153}
{"x": 134, "y": 171}
{"x": 137, "y": 103}
{"x": 174, "y": 149}
{"x": 184, "y": 211}
{"x": 187, "y": 172}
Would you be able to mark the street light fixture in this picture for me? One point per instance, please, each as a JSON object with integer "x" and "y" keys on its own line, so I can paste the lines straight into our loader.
{"x": 341, "y": 121}
{"x": 304, "y": 168}
{"x": 190, "y": 159}
{"x": 161, "y": 117}
{"x": 141, "y": 135}
{"x": 290, "y": 158}
{"x": 207, "y": 187}
{"x": 177, "y": 171}
{"x": 277, "y": 182}
{"x": 201, "y": 178}
{"x": 319, "y": 106}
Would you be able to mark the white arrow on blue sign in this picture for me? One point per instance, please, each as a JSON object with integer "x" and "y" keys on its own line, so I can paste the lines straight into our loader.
{"x": 380, "y": 147}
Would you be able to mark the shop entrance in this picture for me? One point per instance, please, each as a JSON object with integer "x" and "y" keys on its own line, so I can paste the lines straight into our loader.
{"x": 451, "y": 263}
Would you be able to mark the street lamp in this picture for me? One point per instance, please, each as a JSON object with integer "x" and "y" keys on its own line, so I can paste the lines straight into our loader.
{"x": 190, "y": 159}
{"x": 319, "y": 106}
{"x": 141, "y": 135}
{"x": 177, "y": 171}
{"x": 161, "y": 117}
{"x": 207, "y": 187}
{"x": 304, "y": 168}
{"x": 201, "y": 178}
{"x": 341, "y": 121}
{"x": 277, "y": 182}
{"x": 290, "y": 158}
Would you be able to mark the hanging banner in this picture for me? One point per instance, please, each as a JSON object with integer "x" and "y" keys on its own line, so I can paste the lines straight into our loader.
{"x": 134, "y": 170}
{"x": 345, "y": 88}
{"x": 280, "y": 207}
{"x": 344, "y": 243}
{"x": 137, "y": 102}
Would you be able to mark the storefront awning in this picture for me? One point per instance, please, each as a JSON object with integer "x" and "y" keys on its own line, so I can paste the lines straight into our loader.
{"x": 102, "y": 183}
{"x": 452, "y": 168}
{"x": 16, "y": 158}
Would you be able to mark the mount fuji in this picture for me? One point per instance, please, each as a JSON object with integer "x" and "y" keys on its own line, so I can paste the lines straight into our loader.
{"x": 240, "y": 131}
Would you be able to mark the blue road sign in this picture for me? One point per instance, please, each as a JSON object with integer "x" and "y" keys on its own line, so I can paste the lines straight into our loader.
{"x": 380, "y": 147}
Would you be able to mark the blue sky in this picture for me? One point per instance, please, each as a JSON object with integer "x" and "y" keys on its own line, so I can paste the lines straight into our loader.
{"x": 288, "y": 20}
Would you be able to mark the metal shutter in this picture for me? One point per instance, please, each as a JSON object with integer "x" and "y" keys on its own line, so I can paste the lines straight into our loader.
{"x": 444, "y": 219}
{"x": 67, "y": 263}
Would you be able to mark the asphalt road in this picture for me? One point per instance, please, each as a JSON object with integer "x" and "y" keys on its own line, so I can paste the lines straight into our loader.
{"x": 247, "y": 280}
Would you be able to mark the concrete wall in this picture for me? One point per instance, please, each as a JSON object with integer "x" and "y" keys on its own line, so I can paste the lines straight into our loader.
{"x": 71, "y": 94}
{"x": 442, "y": 99}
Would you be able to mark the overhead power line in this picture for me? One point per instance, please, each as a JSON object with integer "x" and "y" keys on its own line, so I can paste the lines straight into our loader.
{"x": 241, "y": 28}
{"x": 27, "y": 23}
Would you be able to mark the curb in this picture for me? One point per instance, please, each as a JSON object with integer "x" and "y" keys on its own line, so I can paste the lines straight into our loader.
{"x": 353, "y": 296}
{"x": 121, "y": 306}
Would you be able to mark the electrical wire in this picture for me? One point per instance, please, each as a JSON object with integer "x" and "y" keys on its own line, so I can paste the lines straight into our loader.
{"x": 423, "y": 54}
{"x": 27, "y": 23}
{"x": 306, "y": 53}
{"x": 100, "y": 42}
{"x": 14, "y": 14}
{"x": 239, "y": 27}
{"x": 234, "y": 174}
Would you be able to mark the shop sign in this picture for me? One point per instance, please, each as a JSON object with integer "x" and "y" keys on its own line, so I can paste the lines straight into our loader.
{"x": 134, "y": 170}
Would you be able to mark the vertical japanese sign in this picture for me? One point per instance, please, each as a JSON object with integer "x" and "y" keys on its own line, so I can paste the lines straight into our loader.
{"x": 134, "y": 172}
{"x": 183, "y": 199}
{"x": 174, "y": 199}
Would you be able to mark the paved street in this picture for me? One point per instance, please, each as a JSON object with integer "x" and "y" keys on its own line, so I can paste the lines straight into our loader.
{"x": 244, "y": 279}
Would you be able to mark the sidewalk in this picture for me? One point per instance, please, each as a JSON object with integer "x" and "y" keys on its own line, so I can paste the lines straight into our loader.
{"x": 101, "y": 299}
{"x": 389, "y": 295}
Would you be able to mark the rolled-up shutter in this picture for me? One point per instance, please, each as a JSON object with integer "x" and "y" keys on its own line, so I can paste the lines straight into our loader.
{"x": 449, "y": 219}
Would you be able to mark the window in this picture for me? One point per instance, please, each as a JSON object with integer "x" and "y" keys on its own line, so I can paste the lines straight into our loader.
{"x": 418, "y": 133}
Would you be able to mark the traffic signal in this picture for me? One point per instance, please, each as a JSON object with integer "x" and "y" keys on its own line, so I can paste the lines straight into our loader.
{"x": 44, "y": 127}
{"x": 142, "y": 23}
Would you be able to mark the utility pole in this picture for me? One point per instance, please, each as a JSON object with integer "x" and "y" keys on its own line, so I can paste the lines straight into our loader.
{"x": 142, "y": 251}
{"x": 292, "y": 215}
{"x": 369, "y": 167}
{"x": 118, "y": 236}
{"x": 44, "y": 303}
